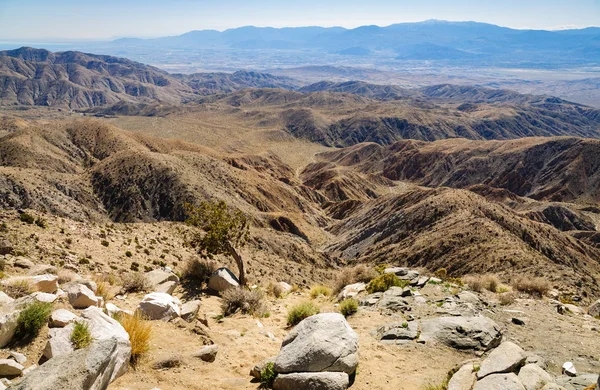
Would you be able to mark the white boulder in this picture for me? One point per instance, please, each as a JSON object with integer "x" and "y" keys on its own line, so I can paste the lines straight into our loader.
{"x": 160, "y": 306}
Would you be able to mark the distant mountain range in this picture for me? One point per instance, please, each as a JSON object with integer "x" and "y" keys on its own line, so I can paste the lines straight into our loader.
{"x": 429, "y": 40}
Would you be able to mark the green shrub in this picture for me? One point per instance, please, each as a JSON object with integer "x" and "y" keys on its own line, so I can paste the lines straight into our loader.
{"x": 104, "y": 242}
{"x": 268, "y": 374}
{"x": 41, "y": 222}
{"x": 128, "y": 254}
{"x": 359, "y": 273}
{"x": 384, "y": 282}
{"x": 81, "y": 336}
{"x": 32, "y": 318}
{"x": 318, "y": 290}
{"x": 348, "y": 307}
{"x": 300, "y": 312}
{"x": 135, "y": 266}
{"x": 27, "y": 218}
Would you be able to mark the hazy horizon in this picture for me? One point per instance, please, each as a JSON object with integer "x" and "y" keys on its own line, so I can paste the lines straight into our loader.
{"x": 71, "y": 20}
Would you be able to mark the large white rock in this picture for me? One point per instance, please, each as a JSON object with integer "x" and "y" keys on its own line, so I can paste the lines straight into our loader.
{"x": 102, "y": 327}
{"x": 59, "y": 341}
{"x": 222, "y": 279}
{"x": 463, "y": 379}
{"x": 323, "y": 342}
{"x": 9, "y": 313}
{"x": 61, "y": 318}
{"x": 499, "y": 382}
{"x": 478, "y": 333}
{"x": 80, "y": 296}
{"x": 92, "y": 368}
{"x": 508, "y": 357}
{"x": 9, "y": 367}
{"x": 312, "y": 381}
{"x": 160, "y": 306}
{"x": 534, "y": 377}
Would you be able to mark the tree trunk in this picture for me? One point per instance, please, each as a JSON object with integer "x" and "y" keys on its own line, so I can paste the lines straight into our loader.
{"x": 240, "y": 263}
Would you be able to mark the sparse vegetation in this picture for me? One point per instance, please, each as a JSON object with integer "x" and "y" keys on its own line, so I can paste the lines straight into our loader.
{"x": 32, "y": 318}
{"x": 319, "y": 290}
{"x": 348, "y": 307}
{"x": 223, "y": 231}
{"x": 300, "y": 312}
{"x": 135, "y": 282}
{"x": 128, "y": 253}
{"x": 440, "y": 386}
{"x": 441, "y": 273}
{"x": 359, "y": 273}
{"x": 506, "y": 298}
{"x": 242, "y": 300}
{"x": 81, "y": 336}
{"x": 140, "y": 331}
{"x": 268, "y": 374}
{"x": 41, "y": 222}
{"x": 384, "y": 282}
{"x": 18, "y": 289}
{"x": 104, "y": 243}
{"x": 103, "y": 288}
{"x": 532, "y": 285}
{"x": 479, "y": 283}
{"x": 198, "y": 270}
{"x": 27, "y": 218}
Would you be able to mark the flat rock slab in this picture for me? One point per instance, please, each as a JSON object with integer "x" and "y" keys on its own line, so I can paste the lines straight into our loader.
{"x": 61, "y": 318}
{"x": 476, "y": 333}
{"x": 398, "y": 332}
{"x": 508, "y": 357}
{"x": 312, "y": 381}
{"x": 579, "y": 382}
{"x": 322, "y": 342}
{"x": 9, "y": 368}
{"x": 499, "y": 382}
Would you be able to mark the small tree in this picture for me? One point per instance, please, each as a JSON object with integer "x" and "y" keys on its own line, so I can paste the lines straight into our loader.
{"x": 224, "y": 230}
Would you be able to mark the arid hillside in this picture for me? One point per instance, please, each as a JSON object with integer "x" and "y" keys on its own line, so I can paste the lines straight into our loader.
{"x": 367, "y": 203}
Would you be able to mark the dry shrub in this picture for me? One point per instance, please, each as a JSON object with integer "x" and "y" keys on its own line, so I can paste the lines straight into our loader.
{"x": 135, "y": 282}
{"x": 103, "y": 288}
{"x": 318, "y": 290}
{"x": 18, "y": 289}
{"x": 506, "y": 298}
{"x": 531, "y": 285}
{"x": 198, "y": 269}
{"x": 479, "y": 283}
{"x": 171, "y": 362}
{"x": 66, "y": 276}
{"x": 245, "y": 301}
{"x": 359, "y": 273}
{"x": 139, "y": 331}
{"x": 276, "y": 289}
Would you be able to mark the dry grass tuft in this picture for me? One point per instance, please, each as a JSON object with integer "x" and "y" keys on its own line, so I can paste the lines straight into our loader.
{"x": 534, "y": 286}
{"x": 66, "y": 276}
{"x": 245, "y": 301}
{"x": 479, "y": 283}
{"x": 103, "y": 288}
{"x": 18, "y": 289}
{"x": 506, "y": 298}
{"x": 140, "y": 331}
{"x": 199, "y": 270}
{"x": 319, "y": 290}
{"x": 359, "y": 273}
{"x": 135, "y": 282}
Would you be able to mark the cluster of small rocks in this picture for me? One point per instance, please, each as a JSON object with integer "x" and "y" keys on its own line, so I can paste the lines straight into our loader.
{"x": 108, "y": 356}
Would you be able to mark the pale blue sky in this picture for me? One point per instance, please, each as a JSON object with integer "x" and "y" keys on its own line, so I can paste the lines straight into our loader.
{"x": 85, "y": 19}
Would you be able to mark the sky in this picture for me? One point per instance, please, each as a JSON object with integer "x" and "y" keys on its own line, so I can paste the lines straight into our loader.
{"x": 47, "y": 20}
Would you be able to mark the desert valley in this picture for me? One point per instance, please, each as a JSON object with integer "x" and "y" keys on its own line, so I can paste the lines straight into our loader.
{"x": 435, "y": 236}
